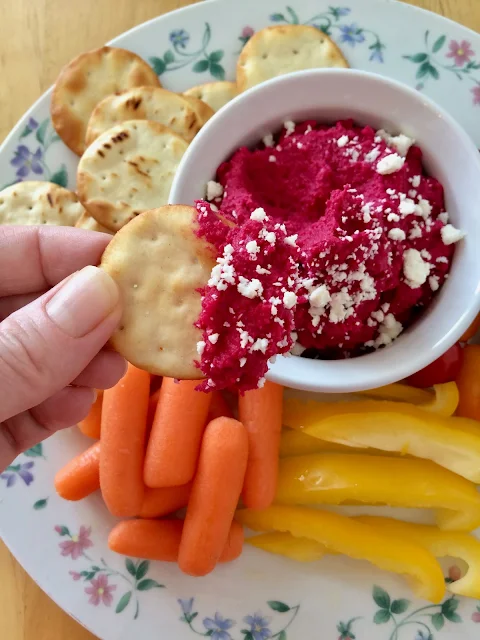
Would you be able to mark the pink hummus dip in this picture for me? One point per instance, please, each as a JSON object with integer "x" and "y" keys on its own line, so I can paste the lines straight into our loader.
{"x": 339, "y": 241}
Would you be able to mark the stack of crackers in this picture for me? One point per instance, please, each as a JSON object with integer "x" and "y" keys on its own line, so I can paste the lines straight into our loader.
{"x": 109, "y": 108}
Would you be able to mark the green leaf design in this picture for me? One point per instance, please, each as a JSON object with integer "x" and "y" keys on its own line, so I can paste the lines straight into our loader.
{"x": 438, "y": 621}
{"x": 293, "y": 15}
{"x": 191, "y": 617}
{"x": 399, "y": 606}
{"x": 433, "y": 72}
{"x": 131, "y": 568}
{"x": 26, "y": 132}
{"x": 423, "y": 70}
{"x": 276, "y": 605}
{"x": 158, "y": 65}
{"x": 382, "y": 616}
{"x": 248, "y": 635}
{"x": 142, "y": 569}
{"x": 35, "y": 452}
{"x": 200, "y": 66}
{"x": 63, "y": 530}
{"x": 216, "y": 56}
{"x": 278, "y": 17}
{"x": 123, "y": 602}
{"x": 449, "y": 608}
{"x": 146, "y": 585}
{"x": 439, "y": 44}
{"x": 381, "y": 597}
{"x": 282, "y": 635}
{"x": 418, "y": 57}
{"x": 60, "y": 177}
{"x": 89, "y": 575}
{"x": 217, "y": 71}
{"x": 40, "y": 504}
{"x": 206, "y": 35}
{"x": 41, "y": 131}
{"x": 168, "y": 57}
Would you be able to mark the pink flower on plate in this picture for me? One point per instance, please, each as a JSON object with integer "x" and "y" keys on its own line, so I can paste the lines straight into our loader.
{"x": 77, "y": 544}
{"x": 75, "y": 575}
{"x": 100, "y": 591}
{"x": 462, "y": 52}
{"x": 476, "y": 95}
{"x": 476, "y": 615}
{"x": 248, "y": 32}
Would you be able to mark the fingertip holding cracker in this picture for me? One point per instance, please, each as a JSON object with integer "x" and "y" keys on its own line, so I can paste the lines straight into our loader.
{"x": 145, "y": 103}
{"x": 214, "y": 94}
{"x": 43, "y": 203}
{"x": 159, "y": 264}
{"x": 202, "y": 109}
{"x": 127, "y": 170}
{"x": 85, "y": 81}
{"x": 275, "y": 51}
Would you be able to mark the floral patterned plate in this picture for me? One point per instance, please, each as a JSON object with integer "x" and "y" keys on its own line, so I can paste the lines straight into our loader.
{"x": 64, "y": 546}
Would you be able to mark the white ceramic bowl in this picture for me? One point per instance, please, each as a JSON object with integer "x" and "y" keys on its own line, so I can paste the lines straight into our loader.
{"x": 450, "y": 156}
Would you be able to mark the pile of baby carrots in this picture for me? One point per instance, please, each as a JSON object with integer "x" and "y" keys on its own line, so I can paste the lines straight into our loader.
{"x": 163, "y": 448}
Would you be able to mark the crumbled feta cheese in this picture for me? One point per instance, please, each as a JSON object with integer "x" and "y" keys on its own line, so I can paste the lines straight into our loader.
{"x": 434, "y": 283}
{"x": 269, "y": 236}
{"x": 272, "y": 158}
{"x": 243, "y": 362}
{"x": 450, "y": 234}
{"x": 366, "y": 213}
{"x": 292, "y": 240}
{"x": 343, "y": 141}
{"x": 297, "y": 349}
{"x": 319, "y": 297}
{"x": 250, "y": 288}
{"x": 379, "y": 316}
{"x": 214, "y": 338}
{"x": 407, "y": 207}
{"x": 372, "y": 155}
{"x": 415, "y": 181}
{"x": 423, "y": 208}
{"x": 289, "y": 127}
{"x": 442, "y": 259}
{"x": 201, "y": 347}
{"x": 443, "y": 217}
{"x": 390, "y": 164}
{"x": 400, "y": 143}
{"x": 289, "y": 299}
{"x": 252, "y": 248}
{"x": 258, "y": 215}
{"x": 262, "y": 271}
{"x": 415, "y": 233}
{"x": 397, "y": 234}
{"x": 268, "y": 140}
{"x": 245, "y": 338}
{"x": 389, "y": 330}
{"x": 393, "y": 217}
{"x": 415, "y": 269}
{"x": 214, "y": 190}
{"x": 261, "y": 383}
{"x": 261, "y": 344}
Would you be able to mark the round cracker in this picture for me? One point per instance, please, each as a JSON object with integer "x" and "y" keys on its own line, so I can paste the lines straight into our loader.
{"x": 127, "y": 170}
{"x": 202, "y": 109}
{"x": 34, "y": 202}
{"x": 87, "y": 222}
{"x": 145, "y": 103}
{"x": 159, "y": 263}
{"x": 215, "y": 94}
{"x": 85, "y": 81}
{"x": 275, "y": 51}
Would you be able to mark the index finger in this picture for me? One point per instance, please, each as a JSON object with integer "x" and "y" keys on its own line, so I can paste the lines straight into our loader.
{"x": 36, "y": 258}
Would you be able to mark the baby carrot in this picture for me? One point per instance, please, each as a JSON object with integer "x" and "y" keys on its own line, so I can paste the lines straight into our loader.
{"x": 219, "y": 407}
{"x": 215, "y": 493}
{"x": 80, "y": 477}
{"x": 260, "y": 411}
{"x": 152, "y": 406}
{"x": 124, "y": 423}
{"x": 160, "y": 540}
{"x": 177, "y": 430}
{"x": 91, "y": 425}
{"x": 161, "y": 502}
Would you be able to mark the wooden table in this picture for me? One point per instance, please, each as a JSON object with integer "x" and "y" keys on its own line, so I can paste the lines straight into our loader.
{"x": 35, "y": 41}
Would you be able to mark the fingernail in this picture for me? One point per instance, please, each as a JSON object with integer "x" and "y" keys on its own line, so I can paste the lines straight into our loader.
{"x": 83, "y": 302}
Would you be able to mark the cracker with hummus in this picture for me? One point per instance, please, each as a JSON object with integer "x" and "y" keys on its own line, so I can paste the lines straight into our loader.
{"x": 215, "y": 94}
{"x": 159, "y": 263}
{"x": 85, "y": 81}
{"x": 202, "y": 109}
{"x": 34, "y": 202}
{"x": 145, "y": 103}
{"x": 127, "y": 170}
{"x": 275, "y": 51}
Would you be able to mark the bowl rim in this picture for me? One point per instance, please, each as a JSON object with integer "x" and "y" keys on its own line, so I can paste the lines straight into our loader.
{"x": 314, "y": 375}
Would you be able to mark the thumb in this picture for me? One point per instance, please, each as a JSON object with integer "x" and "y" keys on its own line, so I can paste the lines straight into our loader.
{"x": 47, "y": 344}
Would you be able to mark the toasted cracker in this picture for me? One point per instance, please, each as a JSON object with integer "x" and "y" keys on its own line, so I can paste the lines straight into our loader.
{"x": 215, "y": 94}
{"x": 85, "y": 81}
{"x": 275, "y": 51}
{"x": 127, "y": 170}
{"x": 35, "y": 202}
{"x": 159, "y": 263}
{"x": 202, "y": 109}
{"x": 86, "y": 221}
{"x": 145, "y": 103}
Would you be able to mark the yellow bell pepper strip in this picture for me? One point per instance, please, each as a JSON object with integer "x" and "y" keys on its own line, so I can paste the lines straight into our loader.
{"x": 356, "y": 540}
{"x": 284, "y": 544}
{"x": 445, "y": 401}
{"x": 389, "y": 426}
{"x": 296, "y": 443}
{"x": 400, "y": 393}
{"x": 441, "y": 544}
{"x": 344, "y": 478}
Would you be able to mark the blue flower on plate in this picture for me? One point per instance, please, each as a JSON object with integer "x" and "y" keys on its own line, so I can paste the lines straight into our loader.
{"x": 377, "y": 55}
{"x": 179, "y": 37}
{"x": 186, "y": 606}
{"x": 351, "y": 34}
{"x": 340, "y": 12}
{"x": 423, "y": 635}
{"x": 32, "y": 124}
{"x": 25, "y": 161}
{"x": 18, "y": 470}
{"x": 219, "y": 627}
{"x": 259, "y": 628}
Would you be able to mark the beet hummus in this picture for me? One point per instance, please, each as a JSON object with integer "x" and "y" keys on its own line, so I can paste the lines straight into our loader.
{"x": 339, "y": 240}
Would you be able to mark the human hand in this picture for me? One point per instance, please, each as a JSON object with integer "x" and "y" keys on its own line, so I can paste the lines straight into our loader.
{"x": 56, "y": 315}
